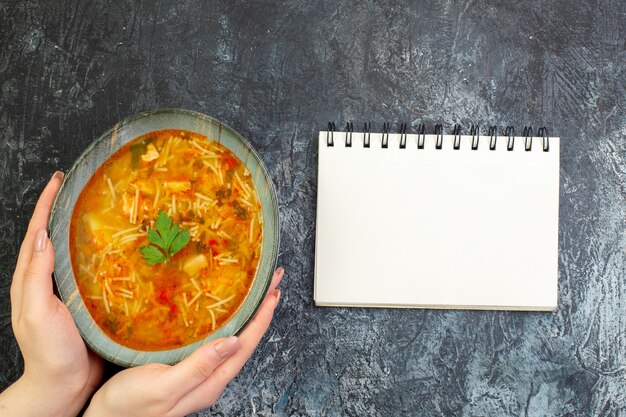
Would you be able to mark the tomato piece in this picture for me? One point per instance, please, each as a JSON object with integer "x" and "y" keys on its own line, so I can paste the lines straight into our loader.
{"x": 231, "y": 162}
{"x": 163, "y": 296}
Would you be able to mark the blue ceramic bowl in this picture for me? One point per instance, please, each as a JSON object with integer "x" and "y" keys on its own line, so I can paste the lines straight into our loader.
{"x": 80, "y": 173}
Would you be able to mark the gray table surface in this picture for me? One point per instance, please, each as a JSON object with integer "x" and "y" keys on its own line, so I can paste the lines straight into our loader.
{"x": 278, "y": 72}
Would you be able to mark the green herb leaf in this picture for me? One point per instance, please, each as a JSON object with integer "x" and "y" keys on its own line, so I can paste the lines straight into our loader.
{"x": 155, "y": 238}
{"x": 152, "y": 255}
{"x": 173, "y": 232}
{"x": 179, "y": 242}
{"x": 163, "y": 225}
{"x": 167, "y": 240}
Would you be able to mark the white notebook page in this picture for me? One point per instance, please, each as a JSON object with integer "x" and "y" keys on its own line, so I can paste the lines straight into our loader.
{"x": 437, "y": 228}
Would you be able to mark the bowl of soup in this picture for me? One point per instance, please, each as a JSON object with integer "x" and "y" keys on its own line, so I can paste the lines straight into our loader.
{"x": 165, "y": 232}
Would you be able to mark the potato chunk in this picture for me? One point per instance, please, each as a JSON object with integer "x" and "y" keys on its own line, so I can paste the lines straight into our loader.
{"x": 195, "y": 264}
{"x": 178, "y": 186}
{"x": 93, "y": 221}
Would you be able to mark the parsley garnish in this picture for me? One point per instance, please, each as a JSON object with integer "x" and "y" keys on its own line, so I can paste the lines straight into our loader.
{"x": 167, "y": 240}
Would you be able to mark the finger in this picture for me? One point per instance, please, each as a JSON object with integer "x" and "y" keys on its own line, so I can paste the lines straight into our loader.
{"x": 278, "y": 276}
{"x": 96, "y": 370}
{"x": 37, "y": 285}
{"x": 255, "y": 330}
{"x": 208, "y": 391}
{"x": 192, "y": 371}
{"x": 39, "y": 220}
{"x": 250, "y": 338}
{"x": 41, "y": 214}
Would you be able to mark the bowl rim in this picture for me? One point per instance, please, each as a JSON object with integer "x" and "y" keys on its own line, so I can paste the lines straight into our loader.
{"x": 275, "y": 243}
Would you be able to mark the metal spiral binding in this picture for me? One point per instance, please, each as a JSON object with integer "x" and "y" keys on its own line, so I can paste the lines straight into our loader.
{"x": 367, "y": 130}
{"x": 510, "y": 132}
{"x": 546, "y": 142}
{"x": 385, "y": 142}
{"x": 457, "y": 137}
{"x": 528, "y": 141}
{"x": 439, "y": 133}
{"x": 329, "y": 134}
{"x": 349, "y": 130}
{"x": 475, "y": 132}
{"x": 403, "y": 131}
{"x": 421, "y": 136}
{"x": 493, "y": 133}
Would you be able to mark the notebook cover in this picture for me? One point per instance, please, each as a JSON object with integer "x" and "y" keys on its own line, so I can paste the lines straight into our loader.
{"x": 437, "y": 228}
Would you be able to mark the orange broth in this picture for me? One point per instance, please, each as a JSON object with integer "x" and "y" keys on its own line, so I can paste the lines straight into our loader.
{"x": 205, "y": 189}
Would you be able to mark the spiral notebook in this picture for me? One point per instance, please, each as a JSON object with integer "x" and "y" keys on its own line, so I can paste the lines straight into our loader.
{"x": 464, "y": 221}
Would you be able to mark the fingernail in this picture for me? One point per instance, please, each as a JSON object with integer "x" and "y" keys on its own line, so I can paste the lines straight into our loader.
{"x": 280, "y": 271}
{"x": 58, "y": 175}
{"x": 41, "y": 240}
{"x": 227, "y": 347}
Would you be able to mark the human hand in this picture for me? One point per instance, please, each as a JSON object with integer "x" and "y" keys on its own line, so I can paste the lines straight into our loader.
{"x": 157, "y": 390}
{"x": 60, "y": 373}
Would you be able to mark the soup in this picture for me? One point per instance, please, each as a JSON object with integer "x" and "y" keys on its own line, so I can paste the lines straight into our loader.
{"x": 165, "y": 240}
